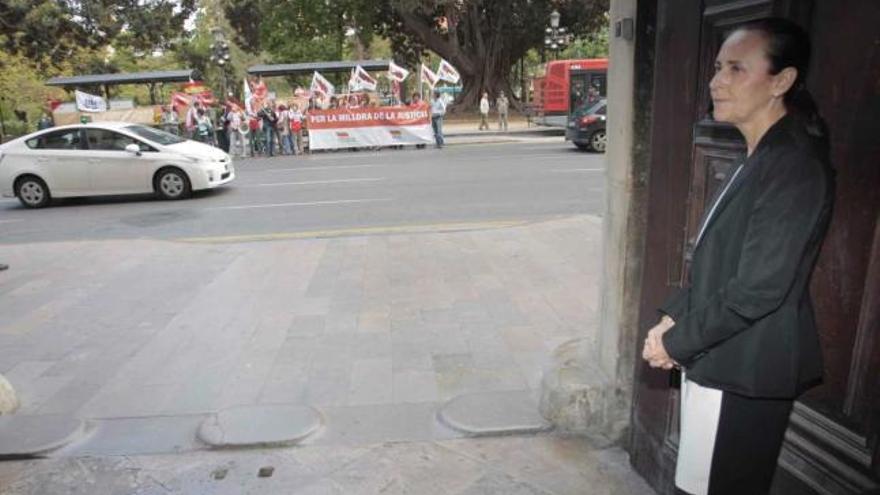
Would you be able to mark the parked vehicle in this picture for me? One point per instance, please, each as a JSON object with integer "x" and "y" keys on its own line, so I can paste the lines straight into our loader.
{"x": 586, "y": 127}
{"x": 108, "y": 158}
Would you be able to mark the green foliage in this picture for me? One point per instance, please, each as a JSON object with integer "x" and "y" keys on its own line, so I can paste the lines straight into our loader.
{"x": 22, "y": 89}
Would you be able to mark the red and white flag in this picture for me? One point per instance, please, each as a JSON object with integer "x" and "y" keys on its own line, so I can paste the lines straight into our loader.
{"x": 446, "y": 72}
{"x": 363, "y": 79}
{"x": 321, "y": 86}
{"x": 427, "y": 76}
{"x": 396, "y": 72}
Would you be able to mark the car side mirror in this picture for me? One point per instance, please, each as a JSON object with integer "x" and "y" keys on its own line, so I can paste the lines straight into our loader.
{"x": 133, "y": 149}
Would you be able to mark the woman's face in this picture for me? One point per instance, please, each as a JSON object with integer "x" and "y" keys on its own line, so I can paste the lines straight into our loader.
{"x": 743, "y": 88}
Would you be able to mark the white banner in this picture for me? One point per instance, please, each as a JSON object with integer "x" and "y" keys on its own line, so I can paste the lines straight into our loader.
{"x": 89, "y": 103}
{"x": 371, "y": 126}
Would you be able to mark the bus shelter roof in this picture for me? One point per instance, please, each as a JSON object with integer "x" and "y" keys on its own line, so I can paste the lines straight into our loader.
{"x": 310, "y": 67}
{"x": 124, "y": 78}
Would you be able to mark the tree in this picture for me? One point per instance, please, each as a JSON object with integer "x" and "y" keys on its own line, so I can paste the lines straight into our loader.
{"x": 483, "y": 39}
{"x": 54, "y": 30}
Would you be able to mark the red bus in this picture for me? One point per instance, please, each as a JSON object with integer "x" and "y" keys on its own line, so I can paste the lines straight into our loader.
{"x": 566, "y": 84}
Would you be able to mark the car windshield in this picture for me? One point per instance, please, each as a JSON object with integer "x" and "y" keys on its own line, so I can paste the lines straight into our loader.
{"x": 155, "y": 135}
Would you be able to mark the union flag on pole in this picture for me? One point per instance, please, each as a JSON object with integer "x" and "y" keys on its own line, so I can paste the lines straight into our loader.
{"x": 447, "y": 72}
{"x": 364, "y": 79}
{"x": 396, "y": 72}
{"x": 427, "y": 76}
{"x": 320, "y": 85}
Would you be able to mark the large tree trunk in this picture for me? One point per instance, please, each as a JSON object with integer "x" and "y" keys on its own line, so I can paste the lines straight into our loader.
{"x": 482, "y": 58}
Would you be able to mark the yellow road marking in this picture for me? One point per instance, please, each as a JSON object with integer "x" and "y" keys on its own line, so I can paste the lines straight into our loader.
{"x": 361, "y": 231}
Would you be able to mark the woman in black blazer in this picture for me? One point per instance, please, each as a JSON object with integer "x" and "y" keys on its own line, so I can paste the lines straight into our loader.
{"x": 743, "y": 331}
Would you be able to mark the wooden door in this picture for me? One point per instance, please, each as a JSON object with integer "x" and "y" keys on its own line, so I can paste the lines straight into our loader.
{"x": 832, "y": 444}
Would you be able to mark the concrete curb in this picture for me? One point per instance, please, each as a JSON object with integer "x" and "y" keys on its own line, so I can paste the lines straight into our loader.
{"x": 494, "y": 413}
{"x": 33, "y": 436}
{"x": 259, "y": 426}
{"x": 546, "y": 131}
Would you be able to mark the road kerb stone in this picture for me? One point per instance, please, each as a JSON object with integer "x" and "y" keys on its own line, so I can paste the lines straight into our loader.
{"x": 259, "y": 426}
{"x": 34, "y": 435}
{"x": 494, "y": 413}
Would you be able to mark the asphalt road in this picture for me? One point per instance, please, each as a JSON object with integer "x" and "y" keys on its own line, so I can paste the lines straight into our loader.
{"x": 338, "y": 191}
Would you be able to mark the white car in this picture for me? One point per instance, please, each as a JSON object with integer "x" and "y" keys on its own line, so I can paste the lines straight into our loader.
{"x": 108, "y": 158}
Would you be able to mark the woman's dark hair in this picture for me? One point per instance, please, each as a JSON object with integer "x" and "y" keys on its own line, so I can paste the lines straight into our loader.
{"x": 788, "y": 45}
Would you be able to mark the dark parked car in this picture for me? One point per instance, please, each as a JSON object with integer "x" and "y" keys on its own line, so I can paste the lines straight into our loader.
{"x": 586, "y": 127}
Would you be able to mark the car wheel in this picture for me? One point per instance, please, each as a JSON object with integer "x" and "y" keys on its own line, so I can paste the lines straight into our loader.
{"x": 32, "y": 192}
{"x": 598, "y": 141}
{"x": 172, "y": 183}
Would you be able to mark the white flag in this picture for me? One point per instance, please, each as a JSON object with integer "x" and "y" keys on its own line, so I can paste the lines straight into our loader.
{"x": 89, "y": 103}
{"x": 321, "y": 86}
{"x": 428, "y": 77}
{"x": 447, "y": 72}
{"x": 397, "y": 72}
{"x": 248, "y": 96}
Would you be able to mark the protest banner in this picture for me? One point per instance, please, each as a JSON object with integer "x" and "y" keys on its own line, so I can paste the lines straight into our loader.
{"x": 89, "y": 103}
{"x": 369, "y": 126}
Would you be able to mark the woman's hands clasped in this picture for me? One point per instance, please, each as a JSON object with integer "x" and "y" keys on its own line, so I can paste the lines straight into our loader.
{"x": 654, "y": 352}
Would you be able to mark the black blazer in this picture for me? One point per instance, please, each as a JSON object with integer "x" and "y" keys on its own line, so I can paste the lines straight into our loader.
{"x": 745, "y": 324}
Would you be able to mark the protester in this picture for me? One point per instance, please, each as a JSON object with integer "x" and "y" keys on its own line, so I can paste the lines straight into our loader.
{"x": 438, "y": 110}
{"x": 237, "y": 124}
{"x": 295, "y": 117}
{"x": 204, "y": 127}
{"x": 45, "y": 121}
{"x": 255, "y": 135}
{"x": 501, "y": 106}
{"x": 269, "y": 120}
{"x": 170, "y": 121}
{"x": 484, "y": 112}
{"x": 284, "y": 130}
{"x": 743, "y": 328}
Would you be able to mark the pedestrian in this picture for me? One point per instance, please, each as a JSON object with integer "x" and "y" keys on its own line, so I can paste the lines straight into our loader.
{"x": 295, "y": 116}
{"x": 502, "y": 105}
{"x": 484, "y": 112}
{"x": 270, "y": 120}
{"x": 438, "y": 110}
{"x": 743, "y": 329}
{"x": 204, "y": 127}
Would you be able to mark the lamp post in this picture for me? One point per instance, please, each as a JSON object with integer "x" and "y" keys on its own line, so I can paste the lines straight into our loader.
{"x": 220, "y": 56}
{"x": 556, "y": 38}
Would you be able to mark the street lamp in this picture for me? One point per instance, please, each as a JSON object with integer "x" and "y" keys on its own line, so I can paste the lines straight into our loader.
{"x": 556, "y": 37}
{"x": 220, "y": 56}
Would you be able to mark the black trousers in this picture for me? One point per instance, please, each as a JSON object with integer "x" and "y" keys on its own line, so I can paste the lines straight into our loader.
{"x": 748, "y": 440}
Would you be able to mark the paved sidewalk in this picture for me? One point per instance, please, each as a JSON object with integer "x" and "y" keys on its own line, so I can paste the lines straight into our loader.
{"x": 129, "y": 348}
